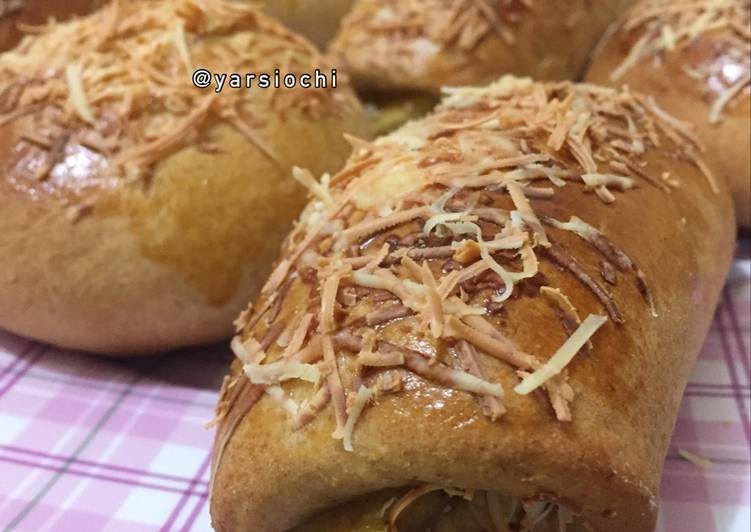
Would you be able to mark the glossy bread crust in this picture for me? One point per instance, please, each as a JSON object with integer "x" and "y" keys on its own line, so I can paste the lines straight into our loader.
{"x": 668, "y": 77}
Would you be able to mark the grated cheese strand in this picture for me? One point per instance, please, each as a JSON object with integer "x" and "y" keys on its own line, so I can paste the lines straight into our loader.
{"x": 334, "y": 383}
{"x": 281, "y": 370}
{"x": 364, "y": 394}
{"x": 563, "y": 356}
{"x": 77, "y": 94}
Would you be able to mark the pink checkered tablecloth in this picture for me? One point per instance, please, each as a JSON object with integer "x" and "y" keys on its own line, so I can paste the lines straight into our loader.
{"x": 90, "y": 444}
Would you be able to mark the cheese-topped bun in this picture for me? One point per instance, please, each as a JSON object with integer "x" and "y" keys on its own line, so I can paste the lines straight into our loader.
{"x": 473, "y": 328}
{"x": 140, "y": 212}
{"x": 318, "y": 20}
{"x": 427, "y": 44}
{"x": 694, "y": 57}
{"x": 18, "y": 17}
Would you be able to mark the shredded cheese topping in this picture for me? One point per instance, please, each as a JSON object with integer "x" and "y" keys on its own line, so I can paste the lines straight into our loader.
{"x": 368, "y": 272}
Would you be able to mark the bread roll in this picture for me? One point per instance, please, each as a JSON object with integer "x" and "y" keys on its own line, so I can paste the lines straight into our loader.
{"x": 694, "y": 57}
{"x": 35, "y": 12}
{"x": 419, "y": 335}
{"x": 140, "y": 213}
{"x": 318, "y": 20}
{"x": 427, "y": 44}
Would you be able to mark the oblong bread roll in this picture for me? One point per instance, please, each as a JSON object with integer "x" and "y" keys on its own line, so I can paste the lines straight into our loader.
{"x": 140, "y": 213}
{"x": 428, "y": 44}
{"x": 695, "y": 59}
{"x": 479, "y": 309}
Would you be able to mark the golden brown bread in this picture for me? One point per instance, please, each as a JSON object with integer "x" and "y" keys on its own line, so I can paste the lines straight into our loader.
{"x": 428, "y": 44}
{"x": 31, "y": 13}
{"x": 695, "y": 59}
{"x": 413, "y": 328}
{"x": 141, "y": 213}
{"x": 318, "y": 20}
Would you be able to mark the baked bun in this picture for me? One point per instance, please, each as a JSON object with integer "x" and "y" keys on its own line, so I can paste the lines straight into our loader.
{"x": 27, "y": 13}
{"x": 694, "y": 57}
{"x": 318, "y": 20}
{"x": 427, "y": 44}
{"x": 140, "y": 213}
{"x": 464, "y": 255}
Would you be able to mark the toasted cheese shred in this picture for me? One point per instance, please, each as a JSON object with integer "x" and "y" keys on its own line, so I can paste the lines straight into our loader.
{"x": 181, "y": 42}
{"x": 282, "y": 399}
{"x": 379, "y": 359}
{"x": 597, "y": 239}
{"x": 568, "y": 312}
{"x": 492, "y": 406}
{"x": 413, "y": 269}
{"x": 377, "y": 259}
{"x": 600, "y": 183}
{"x": 328, "y": 300}
{"x": 334, "y": 383}
{"x": 298, "y": 337}
{"x": 77, "y": 94}
{"x": 434, "y": 307}
{"x": 364, "y": 395}
{"x": 563, "y": 356}
{"x": 282, "y": 370}
{"x": 310, "y": 409}
{"x": 441, "y": 374}
{"x": 373, "y": 226}
{"x": 527, "y": 214}
{"x": 250, "y": 351}
{"x": 486, "y": 343}
{"x": 306, "y": 179}
{"x": 561, "y": 394}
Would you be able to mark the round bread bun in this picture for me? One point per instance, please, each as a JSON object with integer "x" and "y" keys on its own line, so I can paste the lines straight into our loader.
{"x": 318, "y": 20}
{"x": 479, "y": 309}
{"x": 694, "y": 57}
{"x": 428, "y": 44}
{"x": 29, "y": 13}
{"x": 140, "y": 213}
